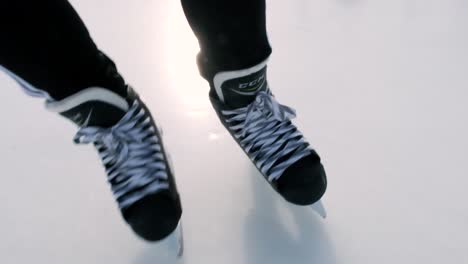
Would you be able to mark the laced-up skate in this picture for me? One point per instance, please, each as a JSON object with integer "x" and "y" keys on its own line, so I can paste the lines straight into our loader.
{"x": 131, "y": 149}
{"x": 263, "y": 129}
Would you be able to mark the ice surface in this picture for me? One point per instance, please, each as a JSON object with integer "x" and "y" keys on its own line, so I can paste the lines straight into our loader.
{"x": 381, "y": 91}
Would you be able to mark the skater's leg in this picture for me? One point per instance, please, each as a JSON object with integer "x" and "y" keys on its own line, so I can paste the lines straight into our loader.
{"x": 234, "y": 48}
{"x": 46, "y": 44}
{"x": 231, "y": 33}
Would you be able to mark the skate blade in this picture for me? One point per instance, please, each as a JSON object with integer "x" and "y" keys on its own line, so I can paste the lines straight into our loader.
{"x": 319, "y": 209}
{"x": 173, "y": 245}
{"x": 176, "y": 241}
{"x": 180, "y": 240}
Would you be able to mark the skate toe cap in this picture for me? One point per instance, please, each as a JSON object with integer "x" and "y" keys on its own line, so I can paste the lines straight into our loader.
{"x": 154, "y": 217}
{"x": 304, "y": 182}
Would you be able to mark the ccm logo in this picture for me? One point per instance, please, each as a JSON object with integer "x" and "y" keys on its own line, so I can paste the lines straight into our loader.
{"x": 252, "y": 83}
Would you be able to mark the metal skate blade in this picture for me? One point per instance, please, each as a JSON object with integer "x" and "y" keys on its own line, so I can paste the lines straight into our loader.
{"x": 319, "y": 209}
{"x": 177, "y": 241}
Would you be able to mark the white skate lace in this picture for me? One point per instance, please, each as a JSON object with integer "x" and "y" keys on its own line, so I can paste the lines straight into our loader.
{"x": 132, "y": 155}
{"x": 266, "y": 133}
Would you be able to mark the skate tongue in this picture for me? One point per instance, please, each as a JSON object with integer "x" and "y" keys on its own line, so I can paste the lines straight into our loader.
{"x": 238, "y": 89}
{"x": 91, "y": 107}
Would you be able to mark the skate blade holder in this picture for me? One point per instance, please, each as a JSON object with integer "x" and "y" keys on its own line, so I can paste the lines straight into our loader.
{"x": 319, "y": 209}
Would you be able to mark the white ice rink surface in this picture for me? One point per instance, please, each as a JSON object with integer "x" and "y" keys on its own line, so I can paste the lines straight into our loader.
{"x": 381, "y": 92}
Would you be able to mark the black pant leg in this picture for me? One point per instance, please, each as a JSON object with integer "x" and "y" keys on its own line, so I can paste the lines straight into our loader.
{"x": 46, "y": 43}
{"x": 231, "y": 33}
